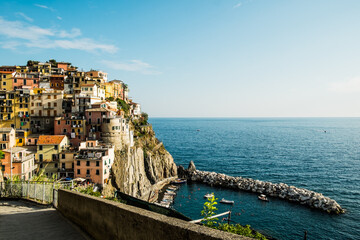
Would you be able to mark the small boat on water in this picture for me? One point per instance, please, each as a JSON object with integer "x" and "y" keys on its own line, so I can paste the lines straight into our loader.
{"x": 170, "y": 193}
{"x": 179, "y": 181}
{"x": 209, "y": 195}
{"x": 226, "y": 201}
{"x": 263, "y": 197}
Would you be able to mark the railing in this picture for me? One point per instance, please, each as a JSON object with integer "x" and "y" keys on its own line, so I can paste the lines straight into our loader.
{"x": 37, "y": 191}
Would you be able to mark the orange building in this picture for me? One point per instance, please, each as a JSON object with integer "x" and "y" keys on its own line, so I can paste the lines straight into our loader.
{"x": 23, "y": 163}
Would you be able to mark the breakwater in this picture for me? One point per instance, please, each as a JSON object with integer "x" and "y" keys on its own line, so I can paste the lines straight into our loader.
{"x": 279, "y": 190}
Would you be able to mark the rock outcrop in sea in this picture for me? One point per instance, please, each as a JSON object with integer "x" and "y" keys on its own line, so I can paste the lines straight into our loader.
{"x": 279, "y": 190}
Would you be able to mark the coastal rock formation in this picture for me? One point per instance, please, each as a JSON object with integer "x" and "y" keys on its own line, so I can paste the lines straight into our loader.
{"x": 138, "y": 169}
{"x": 280, "y": 190}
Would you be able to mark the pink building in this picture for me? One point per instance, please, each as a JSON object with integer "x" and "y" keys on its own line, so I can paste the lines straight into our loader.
{"x": 21, "y": 80}
{"x": 94, "y": 118}
{"x": 94, "y": 162}
{"x": 74, "y": 127}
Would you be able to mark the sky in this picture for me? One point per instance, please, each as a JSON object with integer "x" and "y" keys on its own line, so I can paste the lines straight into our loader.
{"x": 202, "y": 58}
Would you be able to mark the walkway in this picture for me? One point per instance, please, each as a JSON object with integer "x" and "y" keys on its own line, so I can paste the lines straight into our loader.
{"x": 25, "y": 220}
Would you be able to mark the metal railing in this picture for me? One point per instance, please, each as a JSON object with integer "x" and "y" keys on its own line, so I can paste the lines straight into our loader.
{"x": 39, "y": 191}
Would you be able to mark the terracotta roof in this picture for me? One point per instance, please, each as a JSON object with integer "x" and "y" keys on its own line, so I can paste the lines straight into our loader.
{"x": 6, "y": 72}
{"x": 88, "y": 85}
{"x": 50, "y": 139}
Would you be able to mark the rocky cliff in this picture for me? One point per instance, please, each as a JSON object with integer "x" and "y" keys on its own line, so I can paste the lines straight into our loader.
{"x": 141, "y": 169}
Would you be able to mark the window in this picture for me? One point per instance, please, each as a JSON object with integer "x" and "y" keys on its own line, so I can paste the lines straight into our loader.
{"x": 97, "y": 172}
{"x": 64, "y": 130}
{"x": 78, "y": 171}
{"x": 77, "y": 163}
{"x": 97, "y": 163}
{"x": 55, "y": 104}
{"x": 87, "y": 163}
{"x": 49, "y": 104}
{"x": 40, "y": 157}
{"x": 4, "y": 83}
{"x": 58, "y": 122}
{"x": 48, "y": 96}
{"x": 41, "y": 166}
{"x": 87, "y": 171}
{"x": 20, "y": 140}
{"x": 56, "y": 165}
{"x": 21, "y": 106}
{"x": 40, "y": 147}
{"x": 15, "y": 80}
{"x": 56, "y": 147}
{"x": 32, "y": 111}
{"x": 63, "y": 165}
{"x": 63, "y": 156}
{"x": 89, "y": 113}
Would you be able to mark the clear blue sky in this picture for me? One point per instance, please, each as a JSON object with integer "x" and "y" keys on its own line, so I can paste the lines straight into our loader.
{"x": 202, "y": 58}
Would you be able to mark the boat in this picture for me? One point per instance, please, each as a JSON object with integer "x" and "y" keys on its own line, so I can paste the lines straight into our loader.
{"x": 179, "y": 181}
{"x": 263, "y": 197}
{"x": 170, "y": 193}
{"x": 209, "y": 195}
{"x": 226, "y": 201}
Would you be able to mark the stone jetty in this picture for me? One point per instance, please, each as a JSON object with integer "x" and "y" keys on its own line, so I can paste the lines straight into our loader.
{"x": 279, "y": 190}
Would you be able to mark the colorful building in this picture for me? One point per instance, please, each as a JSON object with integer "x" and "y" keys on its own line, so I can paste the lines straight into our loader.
{"x": 23, "y": 163}
{"x": 7, "y": 138}
{"x": 6, "y": 78}
{"x": 49, "y": 148}
{"x": 94, "y": 162}
{"x": 74, "y": 127}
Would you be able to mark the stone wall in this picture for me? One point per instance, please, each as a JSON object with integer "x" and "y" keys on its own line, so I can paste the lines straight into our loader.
{"x": 279, "y": 190}
{"x": 105, "y": 219}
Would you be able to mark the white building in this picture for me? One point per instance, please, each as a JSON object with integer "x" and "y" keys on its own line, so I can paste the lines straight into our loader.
{"x": 92, "y": 90}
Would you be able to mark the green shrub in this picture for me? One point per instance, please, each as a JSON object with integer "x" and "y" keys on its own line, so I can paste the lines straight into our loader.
{"x": 209, "y": 211}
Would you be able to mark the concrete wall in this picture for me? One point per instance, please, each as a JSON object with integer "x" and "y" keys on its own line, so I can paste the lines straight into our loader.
{"x": 105, "y": 219}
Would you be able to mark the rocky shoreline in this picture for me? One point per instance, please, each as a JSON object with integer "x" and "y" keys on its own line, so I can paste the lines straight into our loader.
{"x": 279, "y": 190}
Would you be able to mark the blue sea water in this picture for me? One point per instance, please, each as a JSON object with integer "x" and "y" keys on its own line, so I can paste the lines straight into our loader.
{"x": 295, "y": 151}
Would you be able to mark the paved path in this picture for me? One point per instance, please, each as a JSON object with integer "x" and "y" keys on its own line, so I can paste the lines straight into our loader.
{"x": 25, "y": 220}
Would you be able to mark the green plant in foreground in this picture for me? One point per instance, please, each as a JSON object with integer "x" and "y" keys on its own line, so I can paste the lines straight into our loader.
{"x": 209, "y": 211}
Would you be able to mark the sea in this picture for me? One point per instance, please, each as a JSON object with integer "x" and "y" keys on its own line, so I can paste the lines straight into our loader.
{"x": 319, "y": 154}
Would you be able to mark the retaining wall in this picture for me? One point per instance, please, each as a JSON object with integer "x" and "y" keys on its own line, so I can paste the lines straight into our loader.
{"x": 105, "y": 219}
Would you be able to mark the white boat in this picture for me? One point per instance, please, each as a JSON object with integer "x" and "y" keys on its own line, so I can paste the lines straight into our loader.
{"x": 209, "y": 195}
{"x": 263, "y": 197}
{"x": 226, "y": 201}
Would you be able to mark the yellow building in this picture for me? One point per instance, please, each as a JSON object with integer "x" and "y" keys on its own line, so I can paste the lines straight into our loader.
{"x": 7, "y": 110}
{"x": 22, "y": 115}
{"x": 6, "y": 78}
{"x": 49, "y": 149}
{"x": 109, "y": 89}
